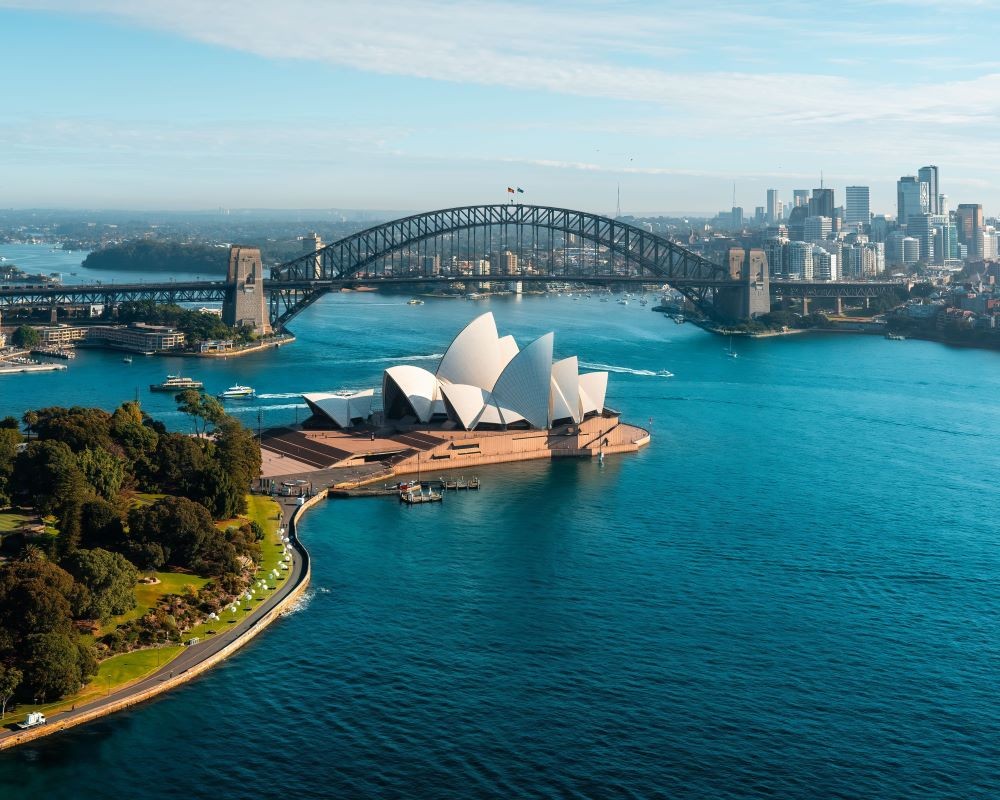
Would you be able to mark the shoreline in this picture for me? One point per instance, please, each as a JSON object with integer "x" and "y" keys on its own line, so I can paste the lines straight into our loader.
{"x": 132, "y": 694}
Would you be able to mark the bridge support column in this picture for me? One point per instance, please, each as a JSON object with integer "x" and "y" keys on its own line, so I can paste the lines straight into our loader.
{"x": 840, "y": 306}
{"x": 244, "y": 304}
{"x": 54, "y": 314}
{"x": 805, "y": 306}
{"x": 868, "y": 302}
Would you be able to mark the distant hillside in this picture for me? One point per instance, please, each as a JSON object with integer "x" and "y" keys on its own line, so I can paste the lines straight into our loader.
{"x": 156, "y": 256}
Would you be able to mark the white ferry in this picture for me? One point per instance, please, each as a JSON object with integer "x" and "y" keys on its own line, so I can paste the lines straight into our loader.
{"x": 173, "y": 383}
{"x": 237, "y": 392}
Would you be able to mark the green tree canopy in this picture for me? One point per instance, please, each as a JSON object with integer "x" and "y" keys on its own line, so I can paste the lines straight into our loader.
{"x": 201, "y": 407}
{"x": 186, "y": 533}
{"x": 26, "y": 336}
{"x": 56, "y": 665}
{"x": 106, "y": 472}
{"x": 10, "y": 679}
{"x": 110, "y": 577}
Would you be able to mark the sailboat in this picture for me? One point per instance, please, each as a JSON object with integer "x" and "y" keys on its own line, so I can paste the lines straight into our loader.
{"x": 730, "y": 352}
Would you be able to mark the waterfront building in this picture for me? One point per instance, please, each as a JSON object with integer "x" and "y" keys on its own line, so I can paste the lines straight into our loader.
{"x": 773, "y": 206}
{"x": 857, "y": 209}
{"x": 815, "y": 229}
{"x": 929, "y": 175}
{"x": 799, "y": 261}
{"x": 138, "y": 337}
{"x": 911, "y": 198}
{"x": 484, "y": 381}
{"x": 432, "y": 265}
{"x": 969, "y": 221}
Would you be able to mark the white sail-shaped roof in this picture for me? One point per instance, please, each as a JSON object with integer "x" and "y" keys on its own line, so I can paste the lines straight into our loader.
{"x": 524, "y": 384}
{"x": 341, "y": 407}
{"x": 508, "y": 349}
{"x": 593, "y": 387}
{"x": 466, "y": 402}
{"x": 473, "y": 358}
{"x": 564, "y": 401}
{"x": 418, "y": 386}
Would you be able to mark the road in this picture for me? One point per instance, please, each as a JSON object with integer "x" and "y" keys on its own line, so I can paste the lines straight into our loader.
{"x": 196, "y": 653}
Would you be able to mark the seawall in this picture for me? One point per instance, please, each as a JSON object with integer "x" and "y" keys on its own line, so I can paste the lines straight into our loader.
{"x": 257, "y": 625}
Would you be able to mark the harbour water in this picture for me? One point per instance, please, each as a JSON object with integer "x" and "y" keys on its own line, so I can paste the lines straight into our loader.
{"x": 792, "y": 592}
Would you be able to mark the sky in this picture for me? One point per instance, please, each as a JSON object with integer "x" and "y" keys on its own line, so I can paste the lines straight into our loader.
{"x": 402, "y": 105}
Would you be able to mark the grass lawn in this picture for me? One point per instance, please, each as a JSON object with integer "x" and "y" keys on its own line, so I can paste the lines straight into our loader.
{"x": 12, "y": 520}
{"x": 113, "y": 672}
{"x": 266, "y": 513}
{"x": 125, "y": 668}
{"x": 146, "y": 498}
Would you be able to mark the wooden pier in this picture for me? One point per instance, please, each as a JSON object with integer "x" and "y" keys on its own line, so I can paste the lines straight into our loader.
{"x": 391, "y": 490}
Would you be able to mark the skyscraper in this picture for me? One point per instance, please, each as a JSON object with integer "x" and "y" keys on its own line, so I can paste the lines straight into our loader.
{"x": 800, "y": 197}
{"x": 921, "y": 227}
{"x": 821, "y": 203}
{"x": 816, "y": 228}
{"x": 773, "y": 213}
{"x": 911, "y": 198}
{"x": 969, "y": 221}
{"x": 929, "y": 175}
{"x": 857, "y": 210}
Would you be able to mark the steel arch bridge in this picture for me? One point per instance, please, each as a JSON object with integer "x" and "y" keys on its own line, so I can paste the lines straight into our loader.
{"x": 551, "y": 245}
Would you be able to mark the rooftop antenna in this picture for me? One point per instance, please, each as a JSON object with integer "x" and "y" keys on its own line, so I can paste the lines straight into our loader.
{"x": 821, "y": 179}
{"x": 618, "y": 208}
{"x": 734, "y": 194}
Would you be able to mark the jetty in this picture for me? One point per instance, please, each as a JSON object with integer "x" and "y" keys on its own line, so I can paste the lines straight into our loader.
{"x": 393, "y": 489}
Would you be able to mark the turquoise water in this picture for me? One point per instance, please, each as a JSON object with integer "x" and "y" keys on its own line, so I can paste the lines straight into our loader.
{"x": 793, "y": 592}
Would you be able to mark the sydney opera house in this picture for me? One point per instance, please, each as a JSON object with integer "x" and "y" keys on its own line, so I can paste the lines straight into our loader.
{"x": 488, "y": 401}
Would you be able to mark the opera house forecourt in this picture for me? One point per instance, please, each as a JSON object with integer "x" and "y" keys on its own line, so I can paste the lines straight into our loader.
{"x": 488, "y": 402}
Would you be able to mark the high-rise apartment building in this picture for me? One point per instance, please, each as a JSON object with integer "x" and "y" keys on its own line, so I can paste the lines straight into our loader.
{"x": 816, "y": 228}
{"x": 921, "y": 227}
{"x": 773, "y": 211}
{"x": 912, "y": 198}
{"x": 858, "y": 208}
{"x": 774, "y": 249}
{"x": 929, "y": 175}
{"x": 824, "y": 265}
{"x": 799, "y": 260}
{"x": 969, "y": 221}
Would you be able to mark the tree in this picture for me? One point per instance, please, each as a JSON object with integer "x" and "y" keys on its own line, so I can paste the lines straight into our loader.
{"x": 179, "y": 460}
{"x": 38, "y": 596}
{"x": 56, "y": 665}
{"x": 110, "y": 577}
{"x": 78, "y": 427}
{"x": 201, "y": 407}
{"x": 10, "y": 422}
{"x": 101, "y": 525}
{"x": 106, "y": 472}
{"x": 238, "y": 453}
{"x": 10, "y": 439}
{"x": 186, "y": 533}
{"x": 10, "y": 679}
{"x": 26, "y": 336}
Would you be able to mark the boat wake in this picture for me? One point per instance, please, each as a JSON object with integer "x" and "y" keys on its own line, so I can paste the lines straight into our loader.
{"x": 279, "y": 396}
{"x": 643, "y": 373}
{"x": 388, "y": 359}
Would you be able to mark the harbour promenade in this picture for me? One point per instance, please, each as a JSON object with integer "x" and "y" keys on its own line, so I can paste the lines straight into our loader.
{"x": 197, "y": 658}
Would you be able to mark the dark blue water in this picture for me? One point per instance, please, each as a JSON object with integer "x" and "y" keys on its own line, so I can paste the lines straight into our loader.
{"x": 793, "y": 592}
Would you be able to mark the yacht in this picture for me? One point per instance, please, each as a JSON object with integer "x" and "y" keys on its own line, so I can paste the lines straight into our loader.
{"x": 237, "y": 392}
{"x": 623, "y": 302}
{"x": 173, "y": 383}
{"x": 414, "y": 301}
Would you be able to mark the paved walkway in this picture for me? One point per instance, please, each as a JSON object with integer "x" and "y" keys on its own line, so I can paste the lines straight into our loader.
{"x": 206, "y": 648}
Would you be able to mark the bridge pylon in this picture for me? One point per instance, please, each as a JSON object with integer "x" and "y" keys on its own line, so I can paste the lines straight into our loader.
{"x": 244, "y": 305}
{"x": 752, "y": 296}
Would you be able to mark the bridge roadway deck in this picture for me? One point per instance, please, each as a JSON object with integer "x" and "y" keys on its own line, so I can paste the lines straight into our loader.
{"x": 208, "y": 291}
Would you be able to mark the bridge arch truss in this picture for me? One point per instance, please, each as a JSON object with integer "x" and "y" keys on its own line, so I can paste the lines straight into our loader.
{"x": 455, "y": 243}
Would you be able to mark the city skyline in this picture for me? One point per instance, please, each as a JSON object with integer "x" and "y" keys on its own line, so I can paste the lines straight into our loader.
{"x": 267, "y": 105}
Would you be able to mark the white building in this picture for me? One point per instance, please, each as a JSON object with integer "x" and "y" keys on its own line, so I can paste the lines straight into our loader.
{"x": 824, "y": 265}
{"x": 483, "y": 381}
{"x": 816, "y": 228}
{"x": 799, "y": 260}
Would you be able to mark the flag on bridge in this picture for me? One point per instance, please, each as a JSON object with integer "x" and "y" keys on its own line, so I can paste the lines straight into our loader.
{"x": 520, "y": 190}
{"x": 510, "y": 189}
